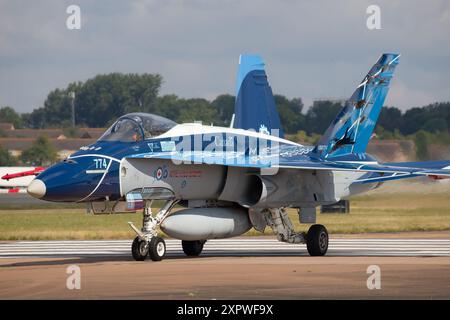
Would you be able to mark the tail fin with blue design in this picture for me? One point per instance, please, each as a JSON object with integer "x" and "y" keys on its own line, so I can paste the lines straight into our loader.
{"x": 255, "y": 105}
{"x": 350, "y": 132}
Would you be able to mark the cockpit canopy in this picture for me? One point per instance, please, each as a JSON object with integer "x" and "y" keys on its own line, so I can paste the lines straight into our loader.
{"x": 134, "y": 127}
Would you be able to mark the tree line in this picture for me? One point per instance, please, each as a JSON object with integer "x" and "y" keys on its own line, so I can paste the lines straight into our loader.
{"x": 41, "y": 152}
{"x": 104, "y": 98}
{"x": 101, "y": 100}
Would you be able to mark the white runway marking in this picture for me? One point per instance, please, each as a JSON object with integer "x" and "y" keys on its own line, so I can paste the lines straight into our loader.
{"x": 231, "y": 247}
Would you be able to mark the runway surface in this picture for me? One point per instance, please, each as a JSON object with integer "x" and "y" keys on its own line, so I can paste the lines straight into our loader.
{"x": 241, "y": 268}
{"x": 245, "y": 247}
{"x": 19, "y": 198}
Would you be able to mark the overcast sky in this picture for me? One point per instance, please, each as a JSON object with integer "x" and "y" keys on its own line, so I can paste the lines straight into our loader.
{"x": 312, "y": 49}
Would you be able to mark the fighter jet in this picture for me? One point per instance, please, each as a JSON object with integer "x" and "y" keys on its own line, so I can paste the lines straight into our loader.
{"x": 223, "y": 181}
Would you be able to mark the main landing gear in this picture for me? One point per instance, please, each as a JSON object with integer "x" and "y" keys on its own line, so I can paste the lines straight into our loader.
{"x": 147, "y": 242}
{"x": 193, "y": 248}
{"x": 316, "y": 239}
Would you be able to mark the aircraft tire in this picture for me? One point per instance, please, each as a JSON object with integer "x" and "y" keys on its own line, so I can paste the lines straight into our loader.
{"x": 139, "y": 249}
{"x": 192, "y": 248}
{"x": 157, "y": 249}
{"x": 317, "y": 240}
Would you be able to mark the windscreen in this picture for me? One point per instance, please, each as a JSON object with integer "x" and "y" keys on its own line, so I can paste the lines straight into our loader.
{"x": 125, "y": 130}
{"x": 136, "y": 127}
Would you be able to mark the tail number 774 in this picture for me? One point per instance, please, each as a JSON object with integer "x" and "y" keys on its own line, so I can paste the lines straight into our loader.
{"x": 100, "y": 163}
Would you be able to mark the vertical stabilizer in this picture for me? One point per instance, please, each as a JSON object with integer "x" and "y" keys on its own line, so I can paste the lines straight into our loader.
{"x": 350, "y": 132}
{"x": 255, "y": 105}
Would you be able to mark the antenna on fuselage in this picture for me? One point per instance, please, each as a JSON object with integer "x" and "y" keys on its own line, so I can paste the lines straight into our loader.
{"x": 232, "y": 121}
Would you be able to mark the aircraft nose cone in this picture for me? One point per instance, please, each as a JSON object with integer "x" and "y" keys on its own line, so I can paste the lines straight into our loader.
{"x": 36, "y": 188}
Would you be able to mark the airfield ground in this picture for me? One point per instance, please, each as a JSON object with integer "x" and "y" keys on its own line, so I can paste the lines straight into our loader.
{"x": 401, "y": 212}
{"x": 226, "y": 277}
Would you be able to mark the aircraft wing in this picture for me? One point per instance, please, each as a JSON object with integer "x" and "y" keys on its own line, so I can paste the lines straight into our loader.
{"x": 432, "y": 169}
{"x": 378, "y": 172}
{"x": 374, "y": 172}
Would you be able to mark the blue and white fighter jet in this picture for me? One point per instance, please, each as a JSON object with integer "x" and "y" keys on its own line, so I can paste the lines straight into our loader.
{"x": 228, "y": 180}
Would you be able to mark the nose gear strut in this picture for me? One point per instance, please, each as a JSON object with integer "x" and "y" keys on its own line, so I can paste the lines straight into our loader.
{"x": 147, "y": 241}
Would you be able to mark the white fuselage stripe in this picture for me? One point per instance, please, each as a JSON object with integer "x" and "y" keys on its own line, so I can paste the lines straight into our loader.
{"x": 94, "y": 155}
{"x": 99, "y": 183}
{"x": 187, "y": 129}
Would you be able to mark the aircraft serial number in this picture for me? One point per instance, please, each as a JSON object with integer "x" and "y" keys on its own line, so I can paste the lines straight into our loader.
{"x": 100, "y": 163}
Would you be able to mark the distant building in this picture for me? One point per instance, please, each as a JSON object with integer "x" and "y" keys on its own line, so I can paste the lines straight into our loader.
{"x": 90, "y": 133}
{"x": 5, "y": 126}
{"x": 28, "y": 133}
{"x": 17, "y": 140}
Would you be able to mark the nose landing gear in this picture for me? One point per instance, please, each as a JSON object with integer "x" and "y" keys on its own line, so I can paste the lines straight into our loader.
{"x": 139, "y": 249}
{"x": 147, "y": 242}
{"x": 157, "y": 249}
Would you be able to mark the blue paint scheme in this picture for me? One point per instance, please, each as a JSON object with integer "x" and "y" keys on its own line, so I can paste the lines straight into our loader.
{"x": 211, "y": 149}
{"x": 68, "y": 181}
{"x": 247, "y": 64}
{"x": 255, "y": 105}
{"x": 92, "y": 173}
{"x": 403, "y": 170}
{"x": 377, "y": 177}
{"x": 283, "y": 160}
{"x": 423, "y": 165}
{"x": 350, "y": 132}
